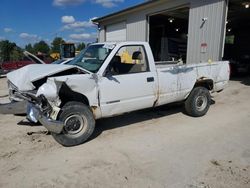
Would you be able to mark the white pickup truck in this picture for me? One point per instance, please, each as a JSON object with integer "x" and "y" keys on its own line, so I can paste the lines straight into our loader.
{"x": 108, "y": 79}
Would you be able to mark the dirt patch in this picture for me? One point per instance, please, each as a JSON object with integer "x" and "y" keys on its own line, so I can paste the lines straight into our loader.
{"x": 224, "y": 174}
{"x": 8, "y": 154}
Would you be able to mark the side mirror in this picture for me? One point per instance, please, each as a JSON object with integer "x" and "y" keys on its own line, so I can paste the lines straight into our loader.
{"x": 95, "y": 77}
{"x": 108, "y": 73}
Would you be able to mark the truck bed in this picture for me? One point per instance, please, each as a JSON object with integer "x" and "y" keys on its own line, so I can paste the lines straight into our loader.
{"x": 217, "y": 71}
{"x": 180, "y": 79}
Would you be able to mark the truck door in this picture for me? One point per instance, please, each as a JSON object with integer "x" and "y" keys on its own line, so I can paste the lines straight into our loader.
{"x": 129, "y": 84}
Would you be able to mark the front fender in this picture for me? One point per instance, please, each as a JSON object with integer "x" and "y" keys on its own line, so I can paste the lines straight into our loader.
{"x": 50, "y": 90}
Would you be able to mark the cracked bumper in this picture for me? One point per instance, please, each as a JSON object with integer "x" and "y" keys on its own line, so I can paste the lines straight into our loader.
{"x": 34, "y": 114}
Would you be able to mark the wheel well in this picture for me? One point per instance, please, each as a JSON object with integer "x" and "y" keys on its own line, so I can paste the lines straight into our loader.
{"x": 66, "y": 94}
{"x": 207, "y": 83}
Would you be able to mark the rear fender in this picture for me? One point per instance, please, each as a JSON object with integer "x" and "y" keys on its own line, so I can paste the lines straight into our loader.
{"x": 203, "y": 82}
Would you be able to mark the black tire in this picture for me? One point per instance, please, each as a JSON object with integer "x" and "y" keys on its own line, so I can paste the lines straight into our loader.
{"x": 79, "y": 124}
{"x": 198, "y": 102}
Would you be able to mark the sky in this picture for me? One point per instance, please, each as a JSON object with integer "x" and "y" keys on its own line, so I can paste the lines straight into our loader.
{"x": 29, "y": 21}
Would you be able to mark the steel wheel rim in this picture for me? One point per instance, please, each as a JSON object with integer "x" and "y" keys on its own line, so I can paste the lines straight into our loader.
{"x": 75, "y": 124}
{"x": 201, "y": 103}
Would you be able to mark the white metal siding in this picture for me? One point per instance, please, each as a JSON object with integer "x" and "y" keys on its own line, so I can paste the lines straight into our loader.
{"x": 136, "y": 27}
{"x": 101, "y": 37}
{"x": 211, "y": 32}
{"x": 116, "y": 32}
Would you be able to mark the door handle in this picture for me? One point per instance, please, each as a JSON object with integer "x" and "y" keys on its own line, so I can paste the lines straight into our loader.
{"x": 150, "y": 79}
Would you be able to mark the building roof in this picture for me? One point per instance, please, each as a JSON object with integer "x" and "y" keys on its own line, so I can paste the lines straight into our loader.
{"x": 97, "y": 20}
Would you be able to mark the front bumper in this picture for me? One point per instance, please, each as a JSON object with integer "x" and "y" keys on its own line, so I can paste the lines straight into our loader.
{"x": 35, "y": 114}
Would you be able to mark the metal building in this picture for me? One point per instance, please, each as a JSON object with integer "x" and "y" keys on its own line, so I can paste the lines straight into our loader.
{"x": 194, "y": 30}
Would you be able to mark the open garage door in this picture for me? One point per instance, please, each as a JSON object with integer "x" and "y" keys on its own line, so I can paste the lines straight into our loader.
{"x": 237, "y": 43}
{"x": 116, "y": 32}
{"x": 168, "y": 33}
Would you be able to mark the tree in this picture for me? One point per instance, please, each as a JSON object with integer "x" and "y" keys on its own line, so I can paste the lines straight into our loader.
{"x": 29, "y": 48}
{"x": 56, "y": 44}
{"x": 41, "y": 47}
{"x": 80, "y": 46}
{"x": 6, "y": 48}
{"x": 16, "y": 54}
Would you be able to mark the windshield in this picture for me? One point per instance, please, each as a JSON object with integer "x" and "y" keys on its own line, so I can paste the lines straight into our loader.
{"x": 92, "y": 58}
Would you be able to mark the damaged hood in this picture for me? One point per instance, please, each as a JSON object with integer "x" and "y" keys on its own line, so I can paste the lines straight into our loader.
{"x": 23, "y": 77}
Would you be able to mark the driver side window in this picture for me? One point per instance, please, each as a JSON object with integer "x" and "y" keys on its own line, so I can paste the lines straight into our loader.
{"x": 128, "y": 60}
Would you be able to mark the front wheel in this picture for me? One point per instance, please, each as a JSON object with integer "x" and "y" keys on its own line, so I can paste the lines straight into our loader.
{"x": 198, "y": 102}
{"x": 79, "y": 124}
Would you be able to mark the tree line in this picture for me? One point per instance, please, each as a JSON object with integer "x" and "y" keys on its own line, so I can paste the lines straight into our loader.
{"x": 9, "y": 51}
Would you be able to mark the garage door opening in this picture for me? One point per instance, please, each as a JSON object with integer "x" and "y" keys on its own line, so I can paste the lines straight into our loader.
{"x": 168, "y": 33}
{"x": 237, "y": 43}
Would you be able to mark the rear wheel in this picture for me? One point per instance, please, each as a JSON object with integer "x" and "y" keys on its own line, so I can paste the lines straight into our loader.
{"x": 198, "y": 102}
{"x": 79, "y": 124}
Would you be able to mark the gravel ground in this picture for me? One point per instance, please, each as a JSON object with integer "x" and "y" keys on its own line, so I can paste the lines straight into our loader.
{"x": 160, "y": 147}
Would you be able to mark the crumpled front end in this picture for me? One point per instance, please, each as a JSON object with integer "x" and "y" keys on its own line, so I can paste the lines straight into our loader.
{"x": 39, "y": 113}
{"x": 27, "y": 80}
{"x": 43, "y": 107}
